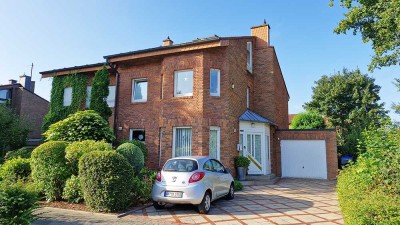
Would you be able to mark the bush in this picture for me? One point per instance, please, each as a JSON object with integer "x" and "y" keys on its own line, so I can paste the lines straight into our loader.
{"x": 100, "y": 92}
{"x": 82, "y": 125}
{"x": 238, "y": 185}
{"x": 16, "y": 169}
{"x": 241, "y": 161}
{"x": 73, "y": 190}
{"x": 141, "y": 145}
{"x": 308, "y": 120}
{"x": 143, "y": 185}
{"x": 76, "y": 150}
{"x": 17, "y": 204}
{"x": 133, "y": 154}
{"x": 369, "y": 191}
{"x": 23, "y": 152}
{"x": 106, "y": 179}
{"x": 49, "y": 168}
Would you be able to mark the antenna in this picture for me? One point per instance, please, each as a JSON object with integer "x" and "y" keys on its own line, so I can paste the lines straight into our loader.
{"x": 31, "y": 70}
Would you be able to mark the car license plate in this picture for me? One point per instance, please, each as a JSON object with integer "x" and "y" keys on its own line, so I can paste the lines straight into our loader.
{"x": 173, "y": 194}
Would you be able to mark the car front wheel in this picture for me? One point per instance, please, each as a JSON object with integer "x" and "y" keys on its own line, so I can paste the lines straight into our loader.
{"x": 157, "y": 205}
{"x": 205, "y": 204}
{"x": 231, "y": 193}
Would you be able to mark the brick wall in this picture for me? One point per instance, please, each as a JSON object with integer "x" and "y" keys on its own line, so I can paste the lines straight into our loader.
{"x": 331, "y": 149}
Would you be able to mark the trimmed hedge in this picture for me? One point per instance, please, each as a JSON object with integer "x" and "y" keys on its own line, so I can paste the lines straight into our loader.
{"x": 73, "y": 190}
{"x": 16, "y": 169}
{"x": 76, "y": 150}
{"x": 82, "y": 125}
{"x": 369, "y": 191}
{"x": 17, "y": 204}
{"x": 23, "y": 152}
{"x": 133, "y": 154}
{"x": 142, "y": 147}
{"x": 106, "y": 179}
{"x": 50, "y": 169}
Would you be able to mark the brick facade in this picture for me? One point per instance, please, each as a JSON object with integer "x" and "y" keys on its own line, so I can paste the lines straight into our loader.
{"x": 331, "y": 149}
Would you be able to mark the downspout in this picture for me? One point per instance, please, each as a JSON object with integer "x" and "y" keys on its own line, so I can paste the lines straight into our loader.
{"x": 114, "y": 69}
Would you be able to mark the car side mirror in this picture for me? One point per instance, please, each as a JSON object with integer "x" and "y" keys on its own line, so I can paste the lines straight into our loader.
{"x": 227, "y": 170}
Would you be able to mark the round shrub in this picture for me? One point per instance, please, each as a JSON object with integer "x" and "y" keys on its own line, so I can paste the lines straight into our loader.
{"x": 82, "y": 125}
{"x": 17, "y": 204}
{"x": 133, "y": 154}
{"x": 308, "y": 120}
{"x": 23, "y": 152}
{"x": 106, "y": 179}
{"x": 141, "y": 145}
{"x": 49, "y": 168}
{"x": 73, "y": 190}
{"x": 16, "y": 169}
{"x": 76, "y": 150}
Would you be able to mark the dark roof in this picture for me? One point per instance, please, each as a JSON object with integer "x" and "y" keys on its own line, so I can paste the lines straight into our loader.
{"x": 73, "y": 68}
{"x": 196, "y": 41}
{"x": 254, "y": 117}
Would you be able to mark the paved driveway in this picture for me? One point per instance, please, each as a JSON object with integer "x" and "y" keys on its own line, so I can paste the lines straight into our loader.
{"x": 290, "y": 201}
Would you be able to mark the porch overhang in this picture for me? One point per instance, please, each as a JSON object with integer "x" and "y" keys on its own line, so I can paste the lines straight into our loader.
{"x": 251, "y": 116}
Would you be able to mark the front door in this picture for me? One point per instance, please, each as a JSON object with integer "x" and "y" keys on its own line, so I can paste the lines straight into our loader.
{"x": 253, "y": 149}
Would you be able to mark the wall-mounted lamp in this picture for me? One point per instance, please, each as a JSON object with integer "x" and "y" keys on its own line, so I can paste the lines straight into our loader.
{"x": 119, "y": 128}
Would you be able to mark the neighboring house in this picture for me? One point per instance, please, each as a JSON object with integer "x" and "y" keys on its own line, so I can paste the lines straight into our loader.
{"x": 24, "y": 102}
{"x": 217, "y": 96}
{"x": 290, "y": 118}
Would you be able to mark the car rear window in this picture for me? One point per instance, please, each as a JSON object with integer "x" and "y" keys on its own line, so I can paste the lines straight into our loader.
{"x": 181, "y": 165}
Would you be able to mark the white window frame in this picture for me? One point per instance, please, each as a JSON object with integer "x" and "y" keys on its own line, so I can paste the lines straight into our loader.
{"x": 110, "y": 98}
{"x": 249, "y": 57}
{"x": 133, "y": 89}
{"x": 218, "y": 84}
{"x": 131, "y": 131}
{"x": 218, "y": 129}
{"x": 65, "y": 97}
{"x": 176, "y": 83}
{"x": 173, "y": 140}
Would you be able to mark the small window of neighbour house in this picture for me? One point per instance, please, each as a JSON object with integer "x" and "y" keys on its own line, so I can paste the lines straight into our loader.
{"x": 67, "y": 100}
{"x": 182, "y": 141}
{"x": 249, "y": 57}
{"x": 183, "y": 83}
{"x": 215, "y": 82}
{"x": 139, "y": 90}
{"x": 137, "y": 134}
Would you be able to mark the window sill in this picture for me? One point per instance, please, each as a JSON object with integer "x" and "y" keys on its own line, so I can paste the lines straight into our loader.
{"x": 138, "y": 102}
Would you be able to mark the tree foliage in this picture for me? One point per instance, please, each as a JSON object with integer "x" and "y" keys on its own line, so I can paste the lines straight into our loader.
{"x": 396, "y": 106}
{"x": 308, "y": 120}
{"x": 377, "y": 21}
{"x": 98, "y": 97}
{"x": 350, "y": 101}
{"x": 14, "y": 130}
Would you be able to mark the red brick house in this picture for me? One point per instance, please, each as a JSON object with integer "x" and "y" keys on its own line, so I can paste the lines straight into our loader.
{"x": 217, "y": 96}
{"x": 23, "y": 100}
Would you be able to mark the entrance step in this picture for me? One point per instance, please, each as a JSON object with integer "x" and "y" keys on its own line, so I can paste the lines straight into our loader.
{"x": 259, "y": 180}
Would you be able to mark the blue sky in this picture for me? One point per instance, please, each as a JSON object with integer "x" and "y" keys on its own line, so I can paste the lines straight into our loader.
{"x": 57, "y": 34}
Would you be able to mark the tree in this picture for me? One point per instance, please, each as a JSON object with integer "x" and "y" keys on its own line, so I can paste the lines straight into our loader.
{"x": 308, "y": 120}
{"x": 350, "y": 101}
{"x": 395, "y": 106}
{"x": 14, "y": 130}
{"x": 377, "y": 21}
{"x": 98, "y": 97}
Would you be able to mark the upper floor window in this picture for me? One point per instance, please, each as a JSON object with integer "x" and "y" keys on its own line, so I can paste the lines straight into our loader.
{"x": 110, "y": 97}
{"x": 139, "y": 90}
{"x": 249, "y": 57}
{"x": 183, "y": 84}
{"x": 214, "y": 82}
{"x": 67, "y": 96}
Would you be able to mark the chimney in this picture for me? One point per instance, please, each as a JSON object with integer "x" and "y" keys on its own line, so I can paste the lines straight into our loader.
{"x": 11, "y": 81}
{"x": 25, "y": 81}
{"x": 261, "y": 33}
{"x": 167, "y": 42}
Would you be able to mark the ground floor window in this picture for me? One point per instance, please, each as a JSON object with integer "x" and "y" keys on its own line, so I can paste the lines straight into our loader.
{"x": 214, "y": 143}
{"x": 137, "y": 134}
{"x": 182, "y": 141}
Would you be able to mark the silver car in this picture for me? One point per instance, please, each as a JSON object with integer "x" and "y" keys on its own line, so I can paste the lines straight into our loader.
{"x": 196, "y": 180}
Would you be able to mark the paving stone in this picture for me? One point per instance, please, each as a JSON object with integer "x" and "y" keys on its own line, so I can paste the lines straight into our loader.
{"x": 192, "y": 219}
{"x": 284, "y": 220}
{"x": 259, "y": 221}
{"x": 245, "y": 215}
{"x": 308, "y": 218}
{"x": 232, "y": 222}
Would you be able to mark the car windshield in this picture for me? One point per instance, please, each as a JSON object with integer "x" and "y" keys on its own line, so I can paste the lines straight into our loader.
{"x": 181, "y": 165}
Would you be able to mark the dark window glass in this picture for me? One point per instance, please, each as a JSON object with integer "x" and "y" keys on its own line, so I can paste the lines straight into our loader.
{"x": 218, "y": 167}
{"x": 208, "y": 166}
{"x": 138, "y": 135}
{"x": 181, "y": 165}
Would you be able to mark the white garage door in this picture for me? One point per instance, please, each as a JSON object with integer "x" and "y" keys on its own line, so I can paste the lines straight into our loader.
{"x": 304, "y": 158}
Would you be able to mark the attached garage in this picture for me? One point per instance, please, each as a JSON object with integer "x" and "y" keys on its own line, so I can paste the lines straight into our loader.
{"x": 304, "y": 159}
